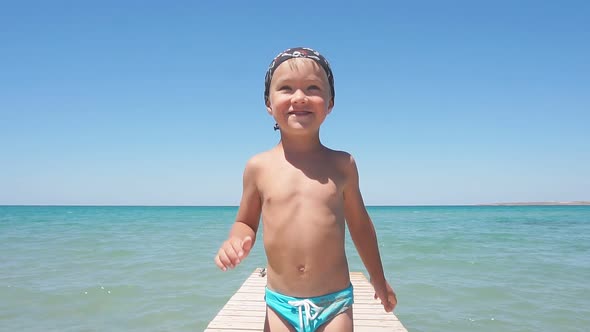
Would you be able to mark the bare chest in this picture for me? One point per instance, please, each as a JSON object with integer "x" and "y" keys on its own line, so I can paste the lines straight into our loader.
{"x": 322, "y": 185}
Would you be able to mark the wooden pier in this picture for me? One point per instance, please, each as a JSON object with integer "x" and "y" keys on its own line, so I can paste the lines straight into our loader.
{"x": 245, "y": 310}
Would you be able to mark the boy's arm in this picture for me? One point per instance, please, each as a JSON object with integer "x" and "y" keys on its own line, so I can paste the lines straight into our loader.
{"x": 242, "y": 235}
{"x": 362, "y": 232}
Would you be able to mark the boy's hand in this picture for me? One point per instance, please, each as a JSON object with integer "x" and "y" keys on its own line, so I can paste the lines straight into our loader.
{"x": 232, "y": 252}
{"x": 385, "y": 293}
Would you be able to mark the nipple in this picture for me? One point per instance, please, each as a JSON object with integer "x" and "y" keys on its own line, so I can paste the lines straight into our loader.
{"x": 301, "y": 268}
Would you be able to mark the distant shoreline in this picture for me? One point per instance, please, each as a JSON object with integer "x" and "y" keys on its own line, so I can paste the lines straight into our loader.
{"x": 564, "y": 203}
{"x": 536, "y": 203}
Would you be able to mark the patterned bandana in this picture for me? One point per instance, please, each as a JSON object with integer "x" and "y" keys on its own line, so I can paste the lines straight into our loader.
{"x": 297, "y": 52}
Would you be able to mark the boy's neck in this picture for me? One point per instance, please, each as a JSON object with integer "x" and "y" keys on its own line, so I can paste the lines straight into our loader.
{"x": 301, "y": 144}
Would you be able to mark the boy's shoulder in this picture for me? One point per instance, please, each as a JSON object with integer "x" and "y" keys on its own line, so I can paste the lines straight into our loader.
{"x": 346, "y": 163}
{"x": 339, "y": 153}
{"x": 341, "y": 157}
{"x": 259, "y": 160}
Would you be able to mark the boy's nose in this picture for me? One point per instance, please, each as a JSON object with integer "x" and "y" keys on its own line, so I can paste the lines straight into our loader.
{"x": 299, "y": 96}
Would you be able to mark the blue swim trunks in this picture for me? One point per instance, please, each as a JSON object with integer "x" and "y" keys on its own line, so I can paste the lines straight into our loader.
{"x": 306, "y": 315}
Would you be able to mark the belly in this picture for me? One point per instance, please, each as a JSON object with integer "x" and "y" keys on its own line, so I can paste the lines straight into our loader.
{"x": 306, "y": 263}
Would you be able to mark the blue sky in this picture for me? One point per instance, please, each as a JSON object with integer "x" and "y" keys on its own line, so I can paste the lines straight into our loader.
{"x": 161, "y": 102}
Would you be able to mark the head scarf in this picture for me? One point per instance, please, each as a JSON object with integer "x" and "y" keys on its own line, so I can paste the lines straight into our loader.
{"x": 297, "y": 52}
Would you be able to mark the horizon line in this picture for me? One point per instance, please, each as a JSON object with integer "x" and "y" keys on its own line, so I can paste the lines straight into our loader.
{"x": 532, "y": 203}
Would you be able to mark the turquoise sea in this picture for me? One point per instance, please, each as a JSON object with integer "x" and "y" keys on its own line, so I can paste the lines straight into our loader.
{"x": 454, "y": 268}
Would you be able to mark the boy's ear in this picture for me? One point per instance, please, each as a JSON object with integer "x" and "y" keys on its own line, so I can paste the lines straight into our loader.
{"x": 268, "y": 108}
{"x": 330, "y": 106}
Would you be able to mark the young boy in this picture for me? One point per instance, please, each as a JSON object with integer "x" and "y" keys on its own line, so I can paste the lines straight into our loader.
{"x": 305, "y": 193}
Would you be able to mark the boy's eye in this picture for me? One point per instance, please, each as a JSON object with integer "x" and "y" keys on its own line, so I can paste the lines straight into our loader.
{"x": 285, "y": 88}
{"x": 314, "y": 87}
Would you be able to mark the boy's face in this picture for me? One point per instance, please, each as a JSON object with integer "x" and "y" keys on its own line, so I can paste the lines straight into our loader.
{"x": 299, "y": 96}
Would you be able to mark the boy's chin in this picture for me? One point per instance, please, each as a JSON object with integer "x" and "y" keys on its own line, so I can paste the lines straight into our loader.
{"x": 302, "y": 126}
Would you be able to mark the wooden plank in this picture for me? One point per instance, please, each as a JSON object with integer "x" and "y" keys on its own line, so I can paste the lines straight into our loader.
{"x": 245, "y": 311}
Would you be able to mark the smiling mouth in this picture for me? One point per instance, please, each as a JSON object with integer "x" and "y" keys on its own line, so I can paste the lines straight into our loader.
{"x": 299, "y": 113}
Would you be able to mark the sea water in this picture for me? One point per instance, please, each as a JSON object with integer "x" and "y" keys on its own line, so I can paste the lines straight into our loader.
{"x": 454, "y": 268}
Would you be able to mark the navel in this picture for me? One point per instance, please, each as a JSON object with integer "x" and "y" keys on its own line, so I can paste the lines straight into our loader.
{"x": 301, "y": 268}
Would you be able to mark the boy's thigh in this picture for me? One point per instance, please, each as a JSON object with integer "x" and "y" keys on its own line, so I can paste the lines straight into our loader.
{"x": 275, "y": 323}
{"x": 341, "y": 323}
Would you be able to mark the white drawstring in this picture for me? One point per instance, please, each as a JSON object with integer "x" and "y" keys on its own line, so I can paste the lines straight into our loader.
{"x": 306, "y": 305}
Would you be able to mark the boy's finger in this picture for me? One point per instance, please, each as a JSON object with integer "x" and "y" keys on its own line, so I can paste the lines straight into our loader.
{"x": 225, "y": 260}
{"x": 219, "y": 264}
{"x": 391, "y": 305}
{"x": 388, "y": 307}
{"x": 233, "y": 252}
{"x": 246, "y": 246}
{"x": 393, "y": 299}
